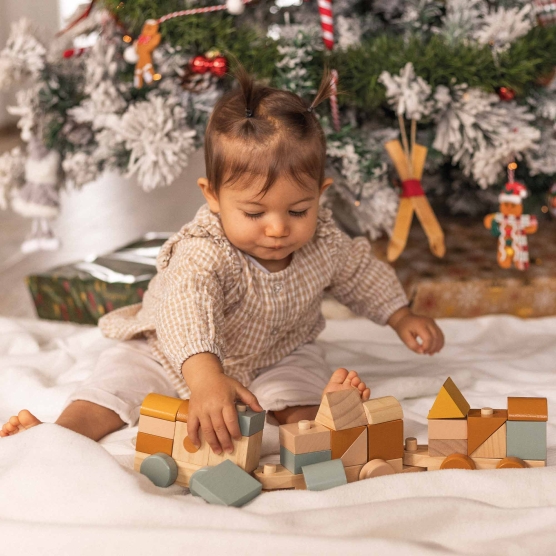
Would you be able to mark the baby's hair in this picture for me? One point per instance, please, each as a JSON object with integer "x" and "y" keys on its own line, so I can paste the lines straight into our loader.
{"x": 256, "y": 130}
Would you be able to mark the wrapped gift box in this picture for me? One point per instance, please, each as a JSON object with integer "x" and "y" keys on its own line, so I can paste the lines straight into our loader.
{"x": 84, "y": 291}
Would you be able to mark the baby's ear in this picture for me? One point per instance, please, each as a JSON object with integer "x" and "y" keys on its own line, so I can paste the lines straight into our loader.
{"x": 326, "y": 184}
{"x": 209, "y": 195}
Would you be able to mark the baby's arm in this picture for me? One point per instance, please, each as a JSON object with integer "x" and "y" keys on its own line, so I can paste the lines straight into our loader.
{"x": 212, "y": 402}
{"x": 409, "y": 327}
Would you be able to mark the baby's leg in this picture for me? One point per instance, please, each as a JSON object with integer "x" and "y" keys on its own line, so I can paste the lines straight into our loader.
{"x": 111, "y": 397}
{"x": 293, "y": 388}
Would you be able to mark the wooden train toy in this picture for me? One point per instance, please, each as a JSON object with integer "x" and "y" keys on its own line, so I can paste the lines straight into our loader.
{"x": 349, "y": 440}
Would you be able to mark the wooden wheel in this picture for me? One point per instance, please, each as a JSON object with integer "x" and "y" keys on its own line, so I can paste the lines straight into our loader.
{"x": 458, "y": 461}
{"x": 511, "y": 463}
{"x": 376, "y": 468}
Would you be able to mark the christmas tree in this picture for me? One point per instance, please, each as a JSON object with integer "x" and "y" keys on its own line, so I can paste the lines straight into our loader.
{"x": 129, "y": 85}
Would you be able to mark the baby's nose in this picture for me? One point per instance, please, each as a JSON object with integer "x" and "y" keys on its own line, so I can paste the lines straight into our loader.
{"x": 277, "y": 228}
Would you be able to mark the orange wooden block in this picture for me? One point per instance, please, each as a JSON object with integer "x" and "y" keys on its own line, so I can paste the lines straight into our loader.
{"x": 183, "y": 411}
{"x": 447, "y": 447}
{"x": 151, "y": 444}
{"x": 161, "y": 407}
{"x": 480, "y": 427}
{"x": 185, "y": 451}
{"x": 341, "y": 410}
{"x": 527, "y": 409}
{"x": 447, "y": 429}
{"x": 157, "y": 427}
{"x": 494, "y": 446}
{"x": 350, "y": 445}
{"x": 458, "y": 461}
{"x": 385, "y": 440}
{"x": 302, "y": 441}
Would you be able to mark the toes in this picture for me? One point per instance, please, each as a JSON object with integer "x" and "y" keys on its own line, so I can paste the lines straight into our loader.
{"x": 366, "y": 394}
{"x": 27, "y": 419}
{"x": 14, "y": 421}
{"x": 350, "y": 377}
{"x": 339, "y": 376}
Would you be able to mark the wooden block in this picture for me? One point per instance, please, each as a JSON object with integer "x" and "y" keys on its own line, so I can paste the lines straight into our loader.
{"x": 349, "y": 445}
{"x": 450, "y": 403}
{"x": 250, "y": 422}
{"x": 185, "y": 472}
{"x": 341, "y": 410}
{"x": 282, "y": 478}
{"x": 161, "y": 407}
{"x": 352, "y": 473}
{"x": 412, "y": 469}
{"x": 527, "y": 409}
{"x": 418, "y": 457}
{"x": 184, "y": 450}
{"x": 526, "y": 439}
{"x": 324, "y": 475}
{"x": 303, "y": 441}
{"x": 458, "y": 461}
{"x": 447, "y": 447}
{"x": 447, "y": 429}
{"x": 246, "y": 453}
{"x": 375, "y": 468}
{"x": 382, "y": 410}
{"x": 151, "y": 444}
{"x": 227, "y": 484}
{"x": 385, "y": 440}
{"x": 481, "y": 426}
{"x": 183, "y": 411}
{"x": 157, "y": 427}
{"x": 494, "y": 446}
{"x": 397, "y": 464}
{"x": 294, "y": 462}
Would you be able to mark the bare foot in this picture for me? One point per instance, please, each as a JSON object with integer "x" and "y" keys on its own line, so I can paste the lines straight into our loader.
{"x": 341, "y": 379}
{"x": 23, "y": 421}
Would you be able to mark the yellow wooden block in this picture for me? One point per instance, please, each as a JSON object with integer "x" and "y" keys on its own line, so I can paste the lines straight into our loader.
{"x": 158, "y": 427}
{"x": 151, "y": 444}
{"x": 494, "y": 446}
{"x": 246, "y": 453}
{"x": 161, "y": 407}
{"x": 184, "y": 450}
{"x": 450, "y": 403}
{"x": 282, "y": 478}
{"x": 381, "y": 410}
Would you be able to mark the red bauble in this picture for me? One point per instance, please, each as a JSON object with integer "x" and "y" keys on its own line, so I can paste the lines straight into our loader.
{"x": 199, "y": 64}
{"x": 219, "y": 66}
{"x": 506, "y": 94}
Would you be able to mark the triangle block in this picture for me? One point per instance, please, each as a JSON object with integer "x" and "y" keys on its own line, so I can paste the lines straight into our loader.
{"x": 480, "y": 428}
{"x": 493, "y": 447}
{"x": 341, "y": 410}
{"x": 357, "y": 453}
{"x": 450, "y": 403}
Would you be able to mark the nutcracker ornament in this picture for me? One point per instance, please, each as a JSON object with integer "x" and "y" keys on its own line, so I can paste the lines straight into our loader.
{"x": 511, "y": 227}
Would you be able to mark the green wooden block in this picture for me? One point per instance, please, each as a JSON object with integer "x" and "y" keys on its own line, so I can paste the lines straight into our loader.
{"x": 160, "y": 468}
{"x": 226, "y": 484}
{"x": 526, "y": 439}
{"x": 251, "y": 422}
{"x": 324, "y": 475}
{"x": 195, "y": 477}
{"x": 294, "y": 462}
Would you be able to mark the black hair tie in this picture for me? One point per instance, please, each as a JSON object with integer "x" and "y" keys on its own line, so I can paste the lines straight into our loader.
{"x": 310, "y": 109}
{"x": 248, "y": 113}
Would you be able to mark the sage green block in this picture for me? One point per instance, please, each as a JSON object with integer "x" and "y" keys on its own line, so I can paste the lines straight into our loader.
{"x": 526, "y": 439}
{"x": 324, "y": 475}
{"x": 226, "y": 484}
{"x": 195, "y": 477}
{"x": 294, "y": 462}
{"x": 160, "y": 468}
{"x": 251, "y": 422}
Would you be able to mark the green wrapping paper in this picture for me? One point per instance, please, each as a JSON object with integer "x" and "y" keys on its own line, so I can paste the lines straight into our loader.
{"x": 83, "y": 292}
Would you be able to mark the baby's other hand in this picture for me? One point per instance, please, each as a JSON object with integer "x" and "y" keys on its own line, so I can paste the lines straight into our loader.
{"x": 409, "y": 327}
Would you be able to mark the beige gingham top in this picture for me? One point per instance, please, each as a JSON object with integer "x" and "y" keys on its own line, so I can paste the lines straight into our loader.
{"x": 208, "y": 296}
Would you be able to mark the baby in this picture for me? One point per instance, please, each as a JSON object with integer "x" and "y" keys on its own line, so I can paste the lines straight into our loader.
{"x": 236, "y": 302}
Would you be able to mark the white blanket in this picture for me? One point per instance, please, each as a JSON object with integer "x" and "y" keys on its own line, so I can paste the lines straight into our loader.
{"x": 61, "y": 493}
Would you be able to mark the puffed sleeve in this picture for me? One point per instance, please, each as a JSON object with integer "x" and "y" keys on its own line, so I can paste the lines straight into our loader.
{"x": 367, "y": 286}
{"x": 189, "y": 317}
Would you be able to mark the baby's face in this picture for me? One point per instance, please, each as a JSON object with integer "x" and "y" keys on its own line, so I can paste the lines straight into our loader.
{"x": 273, "y": 226}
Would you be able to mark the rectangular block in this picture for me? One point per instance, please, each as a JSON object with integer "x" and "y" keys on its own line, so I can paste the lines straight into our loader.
{"x": 493, "y": 447}
{"x": 282, "y": 478}
{"x": 447, "y": 429}
{"x": 184, "y": 450}
{"x": 397, "y": 464}
{"x": 157, "y": 427}
{"x": 324, "y": 475}
{"x": 151, "y": 444}
{"x": 298, "y": 441}
{"x": 382, "y": 410}
{"x": 446, "y": 447}
{"x": 161, "y": 407}
{"x": 352, "y": 473}
{"x": 350, "y": 445}
{"x": 294, "y": 462}
{"x": 250, "y": 422}
{"x": 527, "y": 409}
{"x": 385, "y": 440}
{"x": 526, "y": 439}
{"x": 246, "y": 454}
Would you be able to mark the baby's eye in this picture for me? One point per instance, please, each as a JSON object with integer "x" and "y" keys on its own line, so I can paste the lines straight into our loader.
{"x": 298, "y": 214}
{"x": 253, "y": 216}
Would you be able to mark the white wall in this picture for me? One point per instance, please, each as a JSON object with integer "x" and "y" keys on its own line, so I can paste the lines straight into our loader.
{"x": 44, "y": 13}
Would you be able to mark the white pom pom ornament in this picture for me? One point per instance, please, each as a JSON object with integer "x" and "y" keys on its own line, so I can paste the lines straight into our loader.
{"x": 235, "y": 7}
{"x": 130, "y": 55}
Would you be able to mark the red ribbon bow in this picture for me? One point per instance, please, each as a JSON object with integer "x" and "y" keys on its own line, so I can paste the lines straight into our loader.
{"x": 412, "y": 188}
{"x": 217, "y": 65}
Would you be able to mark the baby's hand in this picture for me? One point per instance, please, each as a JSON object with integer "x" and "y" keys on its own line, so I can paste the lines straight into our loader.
{"x": 409, "y": 327}
{"x": 212, "y": 407}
